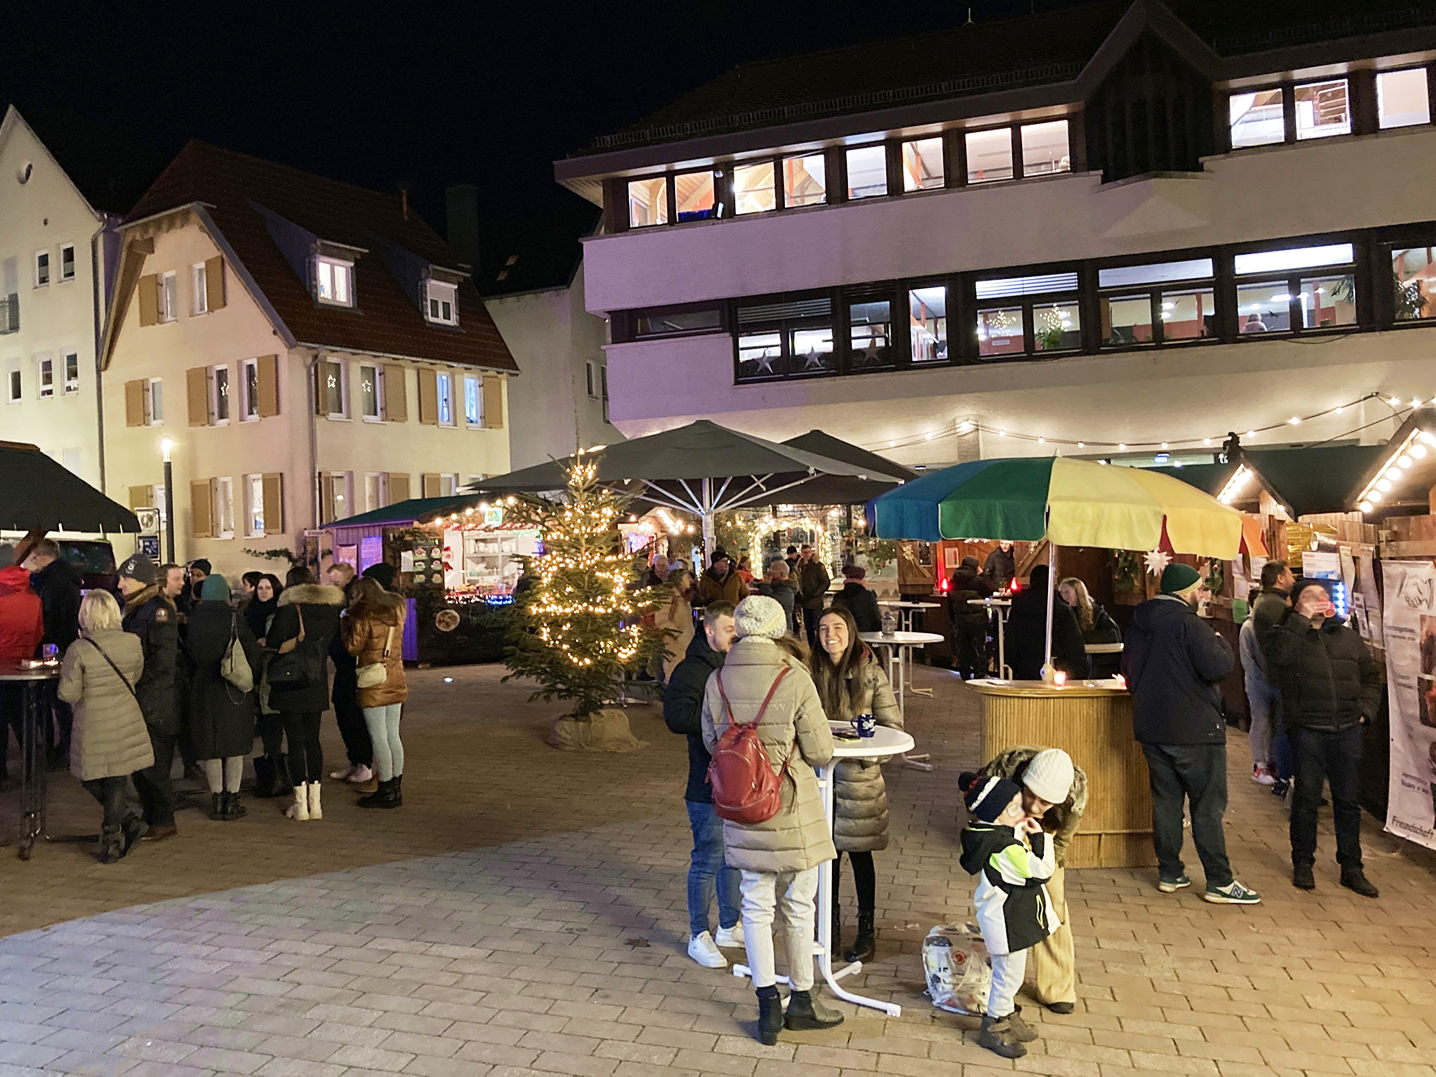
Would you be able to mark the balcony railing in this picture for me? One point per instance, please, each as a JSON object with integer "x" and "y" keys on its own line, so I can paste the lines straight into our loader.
{"x": 9, "y": 313}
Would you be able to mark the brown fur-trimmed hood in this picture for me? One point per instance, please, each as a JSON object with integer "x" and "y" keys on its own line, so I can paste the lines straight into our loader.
{"x": 311, "y": 594}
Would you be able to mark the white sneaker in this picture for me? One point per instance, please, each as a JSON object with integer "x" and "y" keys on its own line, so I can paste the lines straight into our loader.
{"x": 359, "y": 775}
{"x": 702, "y": 950}
{"x": 1263, "y": 775}
{"x": 730, "y": 936}
{"x": 344, "y": 775}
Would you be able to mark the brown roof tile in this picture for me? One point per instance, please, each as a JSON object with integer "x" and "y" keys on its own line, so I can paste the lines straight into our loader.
{"x": 386, "y": 320}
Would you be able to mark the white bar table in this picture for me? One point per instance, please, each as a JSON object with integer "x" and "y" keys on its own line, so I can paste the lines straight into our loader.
{"x": 905, "y": 609}
{"x": 884, "y": 743}
{"x": 897, "y": 671}
{"x": 1000, "y": 607}
{"x": 1103, "y": 648}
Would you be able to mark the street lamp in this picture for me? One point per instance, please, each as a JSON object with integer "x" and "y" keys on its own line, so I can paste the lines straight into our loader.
{"x": 167, "y": 444}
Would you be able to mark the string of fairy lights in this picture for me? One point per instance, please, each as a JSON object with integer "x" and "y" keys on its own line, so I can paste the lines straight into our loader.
{"x": 1401, "y": 406}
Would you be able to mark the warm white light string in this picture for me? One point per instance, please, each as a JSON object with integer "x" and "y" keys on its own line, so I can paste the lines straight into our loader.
{"x": 1400, "y": 406}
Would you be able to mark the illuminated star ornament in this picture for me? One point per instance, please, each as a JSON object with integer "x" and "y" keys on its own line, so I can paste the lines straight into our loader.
{"x": 1157, "y": 562}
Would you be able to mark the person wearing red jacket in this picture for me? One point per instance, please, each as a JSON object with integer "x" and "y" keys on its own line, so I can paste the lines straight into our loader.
{"x": 22, "y": 625}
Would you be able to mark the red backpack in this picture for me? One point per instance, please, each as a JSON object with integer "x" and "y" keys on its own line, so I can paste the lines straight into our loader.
{"x": 746, "y": 789}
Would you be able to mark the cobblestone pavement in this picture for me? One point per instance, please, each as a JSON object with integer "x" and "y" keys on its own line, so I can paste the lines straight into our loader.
{"x": 524, "y": 913}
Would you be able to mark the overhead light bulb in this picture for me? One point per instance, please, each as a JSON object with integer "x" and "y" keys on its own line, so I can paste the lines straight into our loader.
{"x": 1122, "y": 446}
{"x": 1428, "y": 437}
{"x": 929, "y": 435}
{"x": 1416, "y": 402}
{"x": 1206, "y": 441}
{"x": 1081, "y": 445}
{"x": 1392, "y": 473}
{"x": 1365, "y": 506}
{"x": 1375, "y": 495}
{"x": 1164, "y": 444}
{"x": 1042, "y": 441}
{"x": 1340, "y": 408}
{"x": 1002, "y": 433}
{"x": 1383, "y": 484}
{"x": 1395, "y": 401}
{"x": 1405, "y": 460}
{"x": 1295, "y": 420}
{"x": 1417, "y": 450}
{"x": 891, "y": 444}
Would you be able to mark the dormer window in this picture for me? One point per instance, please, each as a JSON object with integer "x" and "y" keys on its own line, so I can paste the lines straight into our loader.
{"x": 334, "y": 281}
{"x": 441, "y": 302}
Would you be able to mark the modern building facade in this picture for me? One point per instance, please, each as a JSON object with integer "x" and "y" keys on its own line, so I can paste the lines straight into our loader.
{"x": 311, "y": 350}
{"x": 1129, "y": 227}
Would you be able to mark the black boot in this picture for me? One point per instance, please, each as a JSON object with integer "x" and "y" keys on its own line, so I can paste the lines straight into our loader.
{"x": 805, "y": 1012}
{"x": 111, "y": 845}
{"x": 234, "y": 809}
{"x": 770, "y": 1017}
{"x": 865, "y": 945}
{"x": 131, "y": 831}
{"x": 386, "y": 796}
{"x": 219, "y": 802}
{"x": 835, "y": 940}
{"x": 997, "y": 1036}
{"x": 1355, "y": 879}
{"x": 263, "y": 776}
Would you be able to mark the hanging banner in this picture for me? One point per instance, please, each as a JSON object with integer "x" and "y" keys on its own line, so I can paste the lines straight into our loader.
{"x": 1409, "y": 629}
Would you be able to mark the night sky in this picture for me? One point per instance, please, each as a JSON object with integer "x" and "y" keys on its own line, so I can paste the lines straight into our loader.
{"x": 488, "y": 92}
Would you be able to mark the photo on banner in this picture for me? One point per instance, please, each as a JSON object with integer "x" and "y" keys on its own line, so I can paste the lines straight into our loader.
{"x": 1409, "y": 630}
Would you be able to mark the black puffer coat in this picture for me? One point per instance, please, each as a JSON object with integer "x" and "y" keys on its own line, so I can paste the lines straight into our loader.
{"x": 1174, "y": 664}
{"x": 151, "y": 616}
{"x": 862, "y": 604}
{"x": 321, "y": 604}
{"x": 683, "y": 711}
{"x": 966, "y": 586}
{"x": 1027, "y": 637}
{"x": 1328, "y": 679}
{"x": 221, "y": 718}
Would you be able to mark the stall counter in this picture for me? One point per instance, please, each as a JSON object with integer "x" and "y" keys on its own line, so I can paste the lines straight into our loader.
{"x": 1092, "y": 722}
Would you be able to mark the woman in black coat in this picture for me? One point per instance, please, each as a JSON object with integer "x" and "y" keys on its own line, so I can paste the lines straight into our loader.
{"x": 1027, "y": 632}
{"x": 301, "y": 702}
{"x": 221, "y": 716}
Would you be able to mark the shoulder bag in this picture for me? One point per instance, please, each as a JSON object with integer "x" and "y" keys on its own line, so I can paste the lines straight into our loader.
{"x": 373, "y": 674}
{"x": 234, "y": 665}
{"x": 296, "y": 664}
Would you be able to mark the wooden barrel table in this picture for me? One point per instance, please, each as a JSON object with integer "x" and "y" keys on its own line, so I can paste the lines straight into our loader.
{"x": 1092, "y": 722}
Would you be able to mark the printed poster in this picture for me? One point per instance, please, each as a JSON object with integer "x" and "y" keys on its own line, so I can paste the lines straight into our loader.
{"x": 1409, "y": 629}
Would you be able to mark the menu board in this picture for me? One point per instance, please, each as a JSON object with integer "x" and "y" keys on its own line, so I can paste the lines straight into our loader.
{"x": 428, "y": 564}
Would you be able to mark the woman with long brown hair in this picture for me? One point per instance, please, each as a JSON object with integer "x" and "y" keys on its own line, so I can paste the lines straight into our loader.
{"x": 850, "y": 682}
{"x": 373, "y": 630}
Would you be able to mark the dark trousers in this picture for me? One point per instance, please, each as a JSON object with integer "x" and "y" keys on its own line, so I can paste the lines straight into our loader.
{"x": 12, "y": 716}
{"x": 1281, "y": 761}
{"x": 1337, "y": 758}
{"x": 810, "y": 624}
{"x": 350, "y": 719}
{"x": 1195, "y": 773}
{"x": 113, "y": 795}
{"x": 306, "y": 761}
{"x": 64, "y": 722}
{"x": 971, "y": 659}
{"x": 864, "y": 880}
{"x": 271, "y": 733}
{"x": 153, "y": 783}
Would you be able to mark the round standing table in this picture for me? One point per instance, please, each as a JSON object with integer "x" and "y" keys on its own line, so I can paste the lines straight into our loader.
{"x": 883, "y": 744}
{"x": 897, "y": 670}
{"x": 31, "y": 681}
{"x": 905, "y": 609}
{"x": 1103, "y": 648}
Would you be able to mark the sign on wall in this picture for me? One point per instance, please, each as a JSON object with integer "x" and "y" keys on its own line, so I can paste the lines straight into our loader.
{"x": 1409, "y": 629}
{"x": 149, "y": 545}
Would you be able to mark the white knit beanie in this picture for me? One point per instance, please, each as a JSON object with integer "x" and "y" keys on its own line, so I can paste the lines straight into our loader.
{"x": 1049, "y": 775}
{"x": 759, "y": 615}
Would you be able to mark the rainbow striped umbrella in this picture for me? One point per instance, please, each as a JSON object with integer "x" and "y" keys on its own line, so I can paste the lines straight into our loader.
{"x": 1069, "y": 502}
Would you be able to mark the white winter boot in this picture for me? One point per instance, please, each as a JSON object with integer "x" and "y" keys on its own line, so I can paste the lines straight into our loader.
{"x": 299, "y": 810}
{"x": 315, "y": 811}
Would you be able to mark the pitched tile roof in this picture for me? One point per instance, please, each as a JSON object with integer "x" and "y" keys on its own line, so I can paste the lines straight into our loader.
{"x": 244, "y": 194}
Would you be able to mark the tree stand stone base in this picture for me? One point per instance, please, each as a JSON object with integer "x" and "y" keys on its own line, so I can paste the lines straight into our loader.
{"x": 606, "y": 731}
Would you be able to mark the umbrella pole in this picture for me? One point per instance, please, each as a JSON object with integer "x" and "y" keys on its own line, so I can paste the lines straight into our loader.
{"x": 708, "y": 546}
{"x": 1047, "y": 670}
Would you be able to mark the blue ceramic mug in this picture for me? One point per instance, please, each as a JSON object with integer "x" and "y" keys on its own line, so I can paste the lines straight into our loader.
{"x": 865, "y": 725}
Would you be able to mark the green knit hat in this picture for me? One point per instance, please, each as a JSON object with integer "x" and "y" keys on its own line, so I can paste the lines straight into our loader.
{"x": 1180, "y": 580}
{"x": 214, "y": 589}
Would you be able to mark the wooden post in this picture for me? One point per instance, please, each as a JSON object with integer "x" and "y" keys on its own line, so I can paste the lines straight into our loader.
{"x": 26, "y": 544}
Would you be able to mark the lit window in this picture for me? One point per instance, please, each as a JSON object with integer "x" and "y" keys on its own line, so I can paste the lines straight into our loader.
{"x": 448, "y": 485}
{"x": 72, "y": 372}
{"x": 224, "y": 507}
{"x": 753, "y": 188}
{"x": 335, "y": 396}
{"x": 42, "y": 268}
{"x": 989, "y": 155}
{"x": 870, "y": 333}
{"x": 254, "y": 505}
{"x": 219, "y": 394}
{"x": 647, "y": 202}
{"x": 199, "y": 289}
{"x": 1288, "y": 302}
{"x": 1057, "y": 327}
{"x": 473, "y": 401}
{"x": 1257, "y": 118}
{"x": 1045, "y": 149}
{"x": 339, "y": 498}
{"x": 804, "y": 181}
{"x": 694, "y": 193}
{"x": 867, "y": 172}
{"x": 760, "y": 355}
{"x": 927, "y": 310}
{"x": 370, "y": 386}
{"x": 375, "y": 486}
{"x": 442, "y": 301}
{"x": 248, "y": 389}
{"x": 1295, "y": 258}
{"x": 1155, "y": 273}
{"x": 922, "y": 165}
{"x": 1036, "y": 285}
{"x": 334, "y": 281}
{"x": 168, "y": 298}
{"x": 1403, "y": 98}
{"x": 1000, "y": 332}
{"x": 446, "y": 399}
{"x": 155, "y": 402}
{"x": 46, "y": 376}
{"x": 1322, "y": 110}
{"x": 1413, "y": 271}
{"x": 67, "y": 262}
{"x": 810, "y": 351}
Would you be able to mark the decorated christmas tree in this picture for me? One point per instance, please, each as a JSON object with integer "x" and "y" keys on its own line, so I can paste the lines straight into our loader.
{"x": 583, "y": 619}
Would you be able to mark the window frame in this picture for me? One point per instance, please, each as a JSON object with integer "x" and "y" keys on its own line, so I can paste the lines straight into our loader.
{"x": 222, "y": 505}
{"x": 63, "y": 278}
{"x": 1291, "y": 280}
{"x": 248, "y": 399}
{"x": 344, "y": 405}
{"x": 218, "y": 373}
{"x": 332, "y": 263}
{"x": 199, "y": 290}
{"x": 951, "y": 293}
{"x": 377, "y": 370}
{"x": 71, "y": 386}
{"x": 851, "y": 297}
{"x": 381, "y": 490}
{"x": 341, "y": 480}
{"x": 42, "y": 268}
{"x": 1014, "y": 154}
{"x": 667, "y": 207}
{"x": 154, "y": 416}
{"x": 627, "y": 328}
{"x": 845, "y": 187}
{"x": 1028, "y": 304}
{"x": 14, "y": 380}
{"x": 167, "y": 298}
{"x": 784, "y": 328}
{"x": 946, "y": 155}
{"x": 430, "y": 300}
{"x": 44, "y": 364}
{"x": 1154, "y": 291}
{"x": 1289, "y": 110}
{"x": 1426, "y": 73}
{"x": 444, "y": 379}
{"x": 253, "y": 484}
{"x": 476, "y": 422}
{"x": 717, "y": 177}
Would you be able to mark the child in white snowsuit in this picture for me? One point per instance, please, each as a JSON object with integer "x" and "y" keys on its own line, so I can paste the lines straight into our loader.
{"x": 1011, "y": 856}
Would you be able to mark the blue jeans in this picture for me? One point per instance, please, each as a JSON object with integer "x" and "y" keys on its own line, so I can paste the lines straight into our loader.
{"x": 707, "y": 872}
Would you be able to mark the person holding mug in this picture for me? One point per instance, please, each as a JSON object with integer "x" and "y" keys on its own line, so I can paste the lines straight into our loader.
{"x": 851, "y": 682}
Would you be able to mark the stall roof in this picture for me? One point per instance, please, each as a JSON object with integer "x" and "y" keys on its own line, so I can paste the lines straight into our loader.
{"x": 404, "y": 512}
{"x": 1409, "y": 486}
{"x": 1306, "y": 481}
{"x": 39, "y": 494}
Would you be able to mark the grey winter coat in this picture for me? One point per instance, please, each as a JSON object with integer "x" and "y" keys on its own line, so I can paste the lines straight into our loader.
{"x": 860, "y": 808}
{"x": 797, "y": 838}
{"x": 110, "y": 739}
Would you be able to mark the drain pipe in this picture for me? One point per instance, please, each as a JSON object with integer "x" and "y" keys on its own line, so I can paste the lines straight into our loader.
{"x": 314, "y": 486}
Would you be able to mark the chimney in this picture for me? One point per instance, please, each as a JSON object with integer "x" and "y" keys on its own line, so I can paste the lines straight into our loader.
{"x": 463, "y": 221}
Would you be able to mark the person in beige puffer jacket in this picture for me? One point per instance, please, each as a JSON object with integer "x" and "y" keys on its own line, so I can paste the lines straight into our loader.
{"x": 778, "y": 859}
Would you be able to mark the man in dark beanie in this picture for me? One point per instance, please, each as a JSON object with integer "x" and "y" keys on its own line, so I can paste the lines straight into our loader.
{"x": 150, "y": 615}
{"x": 382, "y": 573}
{"x": 1174, "y": 664}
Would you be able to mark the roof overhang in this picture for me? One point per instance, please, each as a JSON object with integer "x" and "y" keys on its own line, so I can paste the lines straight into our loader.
{"x": 1404, "y": 475}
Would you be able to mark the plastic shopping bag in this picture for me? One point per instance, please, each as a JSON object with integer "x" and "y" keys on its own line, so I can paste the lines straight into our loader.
{"x": 958, "y": 975}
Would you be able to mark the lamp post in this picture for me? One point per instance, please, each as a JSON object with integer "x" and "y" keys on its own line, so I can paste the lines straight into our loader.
{"x": 165, "y": 446}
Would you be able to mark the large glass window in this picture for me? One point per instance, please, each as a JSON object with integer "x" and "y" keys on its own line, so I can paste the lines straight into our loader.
{"x": 1403, "y": 98}
{"x": 989, "y": 155}
{"x": 647, "y": 202}
{"x": 662, "y": 323}
{"x": 786, "y": 338}
{"x": 334, "y": 281}
{"x": 1000, "y": 332}
{"x": 694, "y": 194}
{"x": 810, "y": 351}
{"x": 760, "y": 355}
{"x": 369, "y": 391}
{"x": 1188, "y": 313}
{"x": 1256, "y": 118}
{"x": 870, "y": 333}
{"x": 445, "y": 384}
{"x": 927, "y": 311}
{"x": 1273, "y": 297}
{"x": 1151, "y": 304}
{"x": 805, "y": 181}
{"x": 1327, "y": 302}
{"x": 1127, "y": 320}
{"x": 1057, "y": 327}
{"x": 1263, "y": 307}
{"x": 1045, "y": 149}
{"x": 1294, "y": 258}
{"x": 867, "y": 171}
{"x": 922, "y": 164}
{"x": 753, "y": 188}
{"x": 1413, "y": 278}
{"x": 335, "y": 376}
{"x": 1322, "y": 110}
{"x": 994, "y": 287}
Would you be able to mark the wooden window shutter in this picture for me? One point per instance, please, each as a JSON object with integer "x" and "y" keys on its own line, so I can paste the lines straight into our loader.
{"x": 267, "y": 367}
{"x": 493, "y": 402}
{"x": 149, "y": 297}
{"x": 396, "y": 398}
{"x": 140, "y": 497}
{"x": 201, "y": 502}
{"x": 273, "y": 503}
{"x": 214, "y": 281}
{"x": 429, "y": 484}
{"x": 398, "y": 487}
{"x": 428, "y": 396}
{"x": 197, "y": 390}
{"x": 135, "y": 403}
{"x": 326, "y": 498}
